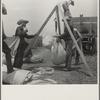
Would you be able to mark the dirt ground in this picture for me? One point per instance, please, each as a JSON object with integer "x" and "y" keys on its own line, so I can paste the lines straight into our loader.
{"x": 78, "y": 75}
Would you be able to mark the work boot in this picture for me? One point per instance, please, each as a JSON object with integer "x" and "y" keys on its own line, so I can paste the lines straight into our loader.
{"x": 66, "y": 68}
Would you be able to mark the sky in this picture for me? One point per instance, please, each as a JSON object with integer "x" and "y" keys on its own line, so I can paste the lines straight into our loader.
{"x": 36, "y": 11}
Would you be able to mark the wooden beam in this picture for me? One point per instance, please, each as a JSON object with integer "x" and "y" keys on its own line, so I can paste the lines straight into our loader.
{"x": 58, "y": 21}
{"x": 34, "y": 40}
{"x": 71, "y": 34}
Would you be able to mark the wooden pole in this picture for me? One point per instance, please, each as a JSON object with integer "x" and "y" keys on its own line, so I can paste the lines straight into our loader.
{"x": 58, "y": 21}
{"x": 71, "y": 34}
{"x": 42, "y": 27}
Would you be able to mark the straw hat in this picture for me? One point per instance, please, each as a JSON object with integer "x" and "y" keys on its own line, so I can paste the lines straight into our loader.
{"x": 21, "y": 21}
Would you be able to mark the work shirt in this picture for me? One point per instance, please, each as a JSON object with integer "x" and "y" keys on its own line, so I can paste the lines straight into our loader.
{"x": 66, "y": 34}
{"x": 22, "y": 34}
{"x": 65, "y": 6}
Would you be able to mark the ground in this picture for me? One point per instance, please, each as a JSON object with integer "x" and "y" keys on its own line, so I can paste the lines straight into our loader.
{"x": 78, "y": 75}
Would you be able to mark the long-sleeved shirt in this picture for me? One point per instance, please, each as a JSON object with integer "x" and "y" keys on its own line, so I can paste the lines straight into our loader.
{"x": 66, "y": 34}
{"x": 22, "y": 34}
{"x": 66, "y": 5}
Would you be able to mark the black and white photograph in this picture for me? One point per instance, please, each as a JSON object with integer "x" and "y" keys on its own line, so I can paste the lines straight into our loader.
{"x": 49, "y": 49}
{"x": 49, "y": 42}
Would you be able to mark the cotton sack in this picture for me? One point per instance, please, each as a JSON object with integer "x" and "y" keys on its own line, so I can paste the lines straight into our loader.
{"x": 48, "y": 41}
{"x": 16, "y": 77}
{"x": 58, "y": 54}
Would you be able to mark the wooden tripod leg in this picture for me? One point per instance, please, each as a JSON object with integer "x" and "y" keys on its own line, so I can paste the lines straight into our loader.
{"x": 58, "y": 21}
{"x": 42, "y": 27}
{"x": 71, "y": 34}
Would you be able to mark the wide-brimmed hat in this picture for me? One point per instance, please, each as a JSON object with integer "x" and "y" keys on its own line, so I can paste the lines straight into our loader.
{"x": 21, "y": 21}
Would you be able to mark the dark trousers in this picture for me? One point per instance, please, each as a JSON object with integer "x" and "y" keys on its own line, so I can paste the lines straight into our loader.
{"x": 18, "y": 62}
{"x": 68, "y": 46}
{"x": 7, "y": 51}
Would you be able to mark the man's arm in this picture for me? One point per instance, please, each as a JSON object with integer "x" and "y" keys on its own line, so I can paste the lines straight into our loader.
{"x": 29, "y": 36}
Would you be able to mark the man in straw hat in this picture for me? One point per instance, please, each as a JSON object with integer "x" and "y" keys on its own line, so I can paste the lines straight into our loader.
{"x": 65, "y": 6}
{"x": 5, "y": 47}
{"x": 68, "y": 44}
{"x": 21, "y": 32}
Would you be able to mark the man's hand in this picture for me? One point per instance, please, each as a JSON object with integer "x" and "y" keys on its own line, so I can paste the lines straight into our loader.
{"x": 57, "y": 40}
{"x": 56, "y": 36}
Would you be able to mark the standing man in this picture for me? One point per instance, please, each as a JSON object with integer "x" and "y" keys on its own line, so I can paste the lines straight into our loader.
{"x": 65, "y": 6}
{"x": 68, "y": 44}
{"x": 78, "y": 37}
{"x": 5, "y": 48}
{"x": 21, "y": 32}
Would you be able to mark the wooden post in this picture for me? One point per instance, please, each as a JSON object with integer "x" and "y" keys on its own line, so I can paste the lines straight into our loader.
{"x": 91, "y": 25}
{"x": 81, "y": 19}
{"x": 58, "y": 21}
{"x": 42, "y": 27}
{"x": 71, "y": 34}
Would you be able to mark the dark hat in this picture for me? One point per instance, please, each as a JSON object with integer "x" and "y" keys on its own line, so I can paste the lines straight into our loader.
{"x": 72, "y": 2}
{"x": 21, "y": 21}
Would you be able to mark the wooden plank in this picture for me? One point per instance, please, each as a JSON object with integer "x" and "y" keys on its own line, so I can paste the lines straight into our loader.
{"x": 34, "y": 40}
{"x": 58, "y": 20}
{"x": 75, "y": 42}
{"x": 85, "y": 19}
